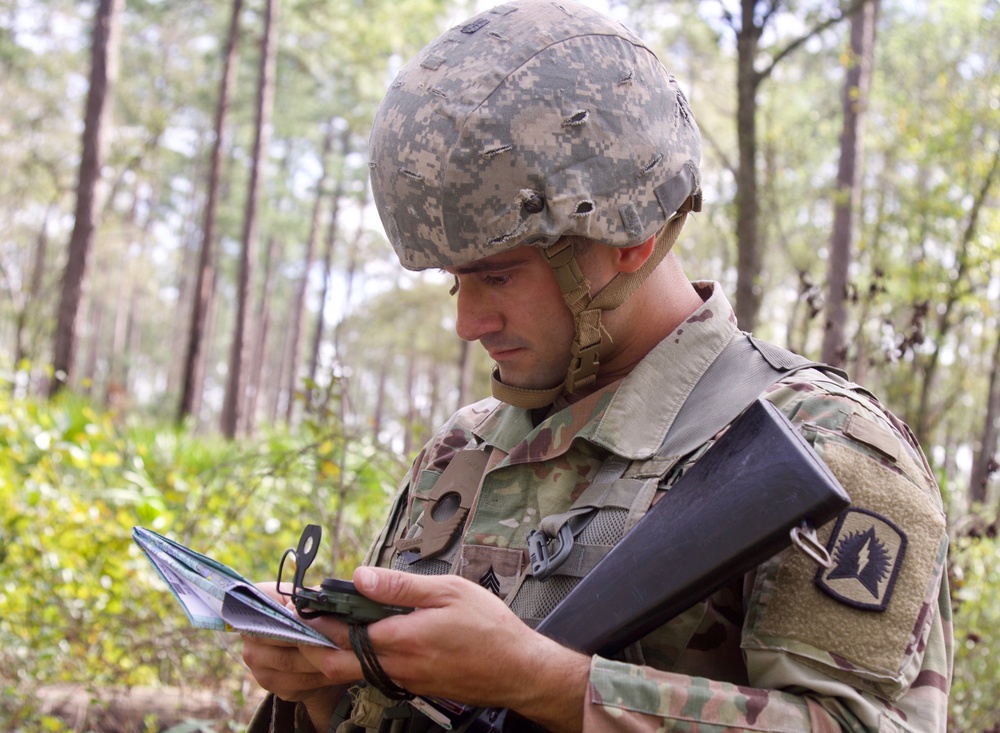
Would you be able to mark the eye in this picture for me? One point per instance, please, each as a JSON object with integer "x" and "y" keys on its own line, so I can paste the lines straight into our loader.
{"x": 496, "y": 280}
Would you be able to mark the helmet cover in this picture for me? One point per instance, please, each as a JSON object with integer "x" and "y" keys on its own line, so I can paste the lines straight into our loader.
{"x": 531, "y": 121}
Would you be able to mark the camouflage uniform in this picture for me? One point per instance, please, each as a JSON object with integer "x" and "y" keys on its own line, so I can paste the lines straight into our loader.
{"x": 772, "y": 652}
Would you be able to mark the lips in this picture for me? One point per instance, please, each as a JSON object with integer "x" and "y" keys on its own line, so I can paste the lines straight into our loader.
{"x": 499, "y": 350}
{"x": 501, "y": 354}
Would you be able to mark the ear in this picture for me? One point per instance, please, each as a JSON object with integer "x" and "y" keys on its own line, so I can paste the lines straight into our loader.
{"x": 630, "y": 259}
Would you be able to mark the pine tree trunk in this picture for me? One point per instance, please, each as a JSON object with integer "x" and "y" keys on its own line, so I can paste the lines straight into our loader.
{"x": 239, "y": 353}
{"x": 849, "y": 174}
{"x": 263, "y": 320}
{"x": 186, "y": 278}
{"x": 984, "y": 462}
{"x": 297, "y": 312}
{"x": 748, "y": 259}
{"x": 103, "y": 70}
{"x": 328, "y": 251}
{"x": 204, "y": 288}
{"x": 21, "y": 349}
{"x": 956, "y": 288}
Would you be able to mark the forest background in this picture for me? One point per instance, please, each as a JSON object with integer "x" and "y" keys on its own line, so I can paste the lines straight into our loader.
{"x": 203, "y": 329}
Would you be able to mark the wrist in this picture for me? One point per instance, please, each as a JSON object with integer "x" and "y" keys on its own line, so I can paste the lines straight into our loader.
{"x": 556, "y": 697}
{"x": 320, "y": 706}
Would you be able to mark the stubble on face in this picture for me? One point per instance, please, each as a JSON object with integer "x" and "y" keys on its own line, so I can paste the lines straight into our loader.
{"x": 532, "y": 335}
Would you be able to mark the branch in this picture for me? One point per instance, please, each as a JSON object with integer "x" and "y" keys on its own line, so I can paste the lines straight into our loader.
{"x": 728, "y": 18}
{"x": 726, "y": 162}
{"x": 851, "y": 9}
{"x": 770, "y": 12}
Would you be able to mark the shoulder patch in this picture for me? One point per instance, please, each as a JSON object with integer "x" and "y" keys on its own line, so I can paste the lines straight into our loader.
{"x": 867, "y": 551}
{"x": 862, "y": 619}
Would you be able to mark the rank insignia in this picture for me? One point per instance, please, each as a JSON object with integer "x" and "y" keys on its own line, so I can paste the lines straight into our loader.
{"x": 490, "y": 581}
{"x": 867, "y": 552}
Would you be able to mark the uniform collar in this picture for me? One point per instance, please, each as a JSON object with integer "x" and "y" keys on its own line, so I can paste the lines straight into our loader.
{"x": 630, "y": 418}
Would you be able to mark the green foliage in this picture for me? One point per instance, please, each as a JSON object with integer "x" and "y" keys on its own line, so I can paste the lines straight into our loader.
{"x": 79, "y": 603}
{"x": 976, "y": 593}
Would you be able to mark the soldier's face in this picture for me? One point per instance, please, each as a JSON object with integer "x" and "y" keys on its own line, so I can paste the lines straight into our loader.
{"x": 512, "y": 305}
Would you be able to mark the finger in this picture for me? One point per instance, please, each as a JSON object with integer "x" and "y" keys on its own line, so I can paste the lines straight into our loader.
{"x": 251, "y": 639}
{"x": 334, "y": 630}
{"x": 405, "y": 589}
{"x": 271, "y": 589}
{"x": 278, "y": 657}
{"x": 338, "y": 667}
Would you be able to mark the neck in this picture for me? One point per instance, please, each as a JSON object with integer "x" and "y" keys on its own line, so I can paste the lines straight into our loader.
{"x": 664, "y": 301}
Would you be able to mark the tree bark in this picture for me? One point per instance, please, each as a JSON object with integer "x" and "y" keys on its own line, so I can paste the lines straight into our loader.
{"x": 260, "y": 342}
{"x": 849, "y": 173}
{"x": 205, "y": 280}
{"x": 186, "y": 276}
{"x": 748, "y": 260}
{"x": 328, "y": 252}
{"x": 21, "y": 348}
{"x": 984, "y": 462}
{"x": 103, "y": 70}
{"x": 297, "y": 312}
{"x": 233, "y": 402}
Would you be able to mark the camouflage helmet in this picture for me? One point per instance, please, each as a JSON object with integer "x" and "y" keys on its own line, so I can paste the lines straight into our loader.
{"x": 531, "y": 121}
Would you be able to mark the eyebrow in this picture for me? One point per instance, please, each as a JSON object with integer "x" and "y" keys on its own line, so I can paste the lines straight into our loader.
{"x": 485, "y": 266}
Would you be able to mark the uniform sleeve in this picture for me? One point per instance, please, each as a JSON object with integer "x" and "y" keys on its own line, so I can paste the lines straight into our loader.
{"x": 786, "y": 695}
{"x": 865, "y": 645}
{"x": 631, "y": 699}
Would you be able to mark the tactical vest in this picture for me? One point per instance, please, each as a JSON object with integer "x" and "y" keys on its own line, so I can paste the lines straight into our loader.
{"x": 568, "y": 545}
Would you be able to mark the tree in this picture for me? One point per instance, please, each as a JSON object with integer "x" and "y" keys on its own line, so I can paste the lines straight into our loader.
{"x": 103, "y": 69}
{"x": 205, "y": 277}
{"x": 754, "y": 18}
{"x": 849, "y": 180}
{"x": 957, "y": 288}
{"x": 984, "y": 462}
{"x": 236, "y": 382}
{"x": 297, "y": 313}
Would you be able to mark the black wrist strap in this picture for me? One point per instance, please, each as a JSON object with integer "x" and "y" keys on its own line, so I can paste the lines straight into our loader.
{"x": 370, "y": 667}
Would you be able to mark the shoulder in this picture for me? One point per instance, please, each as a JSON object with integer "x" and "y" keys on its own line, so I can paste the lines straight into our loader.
{"x": 863, "y": 620}
{"x": 828, "y": 408}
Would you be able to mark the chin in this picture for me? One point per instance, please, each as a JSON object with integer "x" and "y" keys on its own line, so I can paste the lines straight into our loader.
{"x": 527, "y": 381}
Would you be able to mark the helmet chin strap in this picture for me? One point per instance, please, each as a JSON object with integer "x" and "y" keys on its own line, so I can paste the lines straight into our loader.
{"x": 590, "y": 334}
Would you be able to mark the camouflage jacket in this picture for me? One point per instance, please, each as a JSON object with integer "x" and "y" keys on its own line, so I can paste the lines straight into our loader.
{"x": 863, "y": 646}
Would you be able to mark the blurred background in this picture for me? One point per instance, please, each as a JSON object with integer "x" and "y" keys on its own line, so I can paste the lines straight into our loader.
{"x": 203, "y": 329}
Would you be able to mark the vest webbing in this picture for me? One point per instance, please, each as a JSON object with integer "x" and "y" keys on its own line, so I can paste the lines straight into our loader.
{"x": 744, "y": 369}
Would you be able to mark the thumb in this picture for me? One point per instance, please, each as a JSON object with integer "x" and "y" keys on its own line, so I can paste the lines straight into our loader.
{"x": 398, "y": 588}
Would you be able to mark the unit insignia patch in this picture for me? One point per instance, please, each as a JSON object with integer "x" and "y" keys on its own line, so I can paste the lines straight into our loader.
{"x": 867, "y": 551}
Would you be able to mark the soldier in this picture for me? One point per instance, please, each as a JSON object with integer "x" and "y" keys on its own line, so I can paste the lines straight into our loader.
{"x": 541, "y": 155}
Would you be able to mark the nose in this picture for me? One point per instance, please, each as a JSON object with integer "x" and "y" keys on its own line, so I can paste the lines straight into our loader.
{"x": 476, "y": 315}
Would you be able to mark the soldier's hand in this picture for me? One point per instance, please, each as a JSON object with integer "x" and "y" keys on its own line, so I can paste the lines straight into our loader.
{"x": 282, "y": 669}
{"x": 461, "y": 643}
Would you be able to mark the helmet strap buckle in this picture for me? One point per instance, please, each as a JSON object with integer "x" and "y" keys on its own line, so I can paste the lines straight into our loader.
{"x": 583, "y": 366}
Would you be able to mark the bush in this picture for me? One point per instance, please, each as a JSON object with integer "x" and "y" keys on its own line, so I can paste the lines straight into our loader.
{"x": 79, "y": 603}
{"x": 976, "y": 592}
